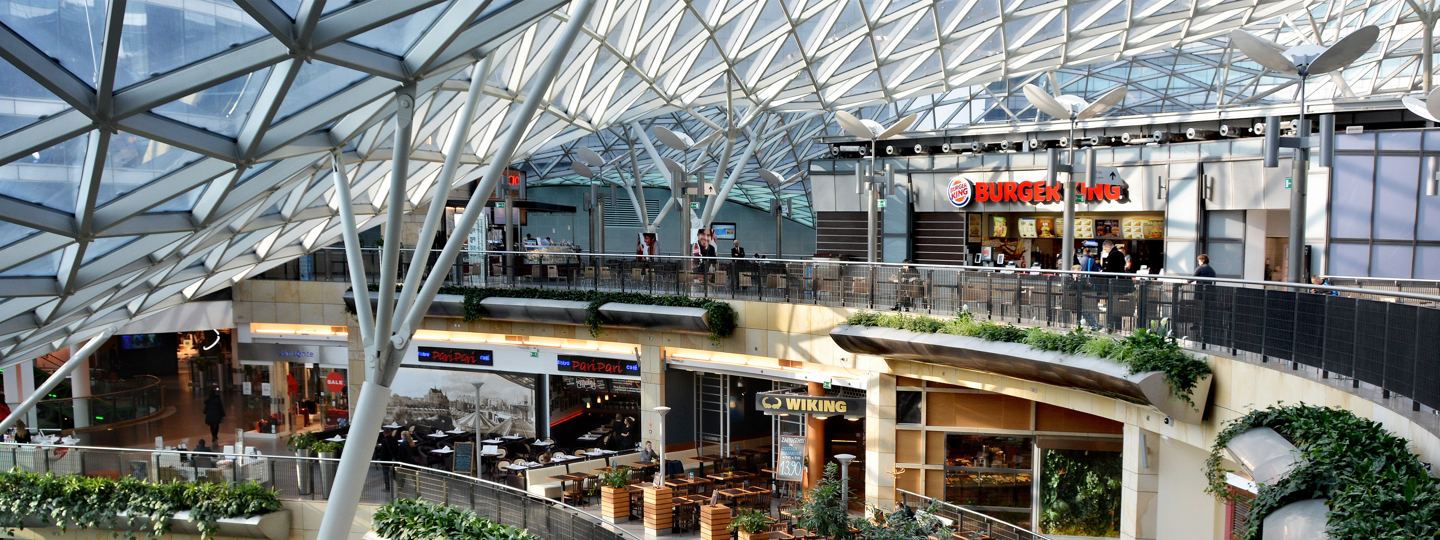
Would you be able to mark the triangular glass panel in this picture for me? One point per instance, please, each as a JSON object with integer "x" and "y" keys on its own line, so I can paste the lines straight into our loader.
{"x": 221, "y": 108}
{"x": 252, "y": 171}
{"x": 922, "y": 35}
{"x": 133, "y": 161}
{"x": 870, "y": 84}
{"x": 990, "y": 47}
{"x": 850, "y": 21}
{"x": 50, "y": 177}
{"x": 29, "y": 100}
{"x": 315, "y": 82}
{"x": 69, "y": 32}
{"x": 103, "y": 246}
{"x": 291, "y": 7}
{"x": 1053, "y": 29}
{"x": 186, "y": 202}
{"x": 788, "y": 55}
{"x": 771, "y": 18}
{"x": 898, "y": 5}
{"x": 396, "y": 37}
{"x": 947, "y": 10}
{"x": 863, "y": 56}
{"x": 11, "y": 233}
{"x": 929, "y": 67}
{"x": 983, "y": 12}
{"x": 336, "y": 5}
{"x": 885, "y": 36}
{"x": 807, "y": 32}
{"x": 725, "y": 35}
{"x": 160, "y": 37}
{"x": 44, "y": 265}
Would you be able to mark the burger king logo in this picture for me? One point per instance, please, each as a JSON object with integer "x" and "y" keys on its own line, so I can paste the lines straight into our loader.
{"x": 962, "y": 191}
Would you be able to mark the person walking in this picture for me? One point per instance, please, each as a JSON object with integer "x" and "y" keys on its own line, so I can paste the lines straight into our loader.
{"x": 214, "y": 414}
{"x": 1204, "y": 270}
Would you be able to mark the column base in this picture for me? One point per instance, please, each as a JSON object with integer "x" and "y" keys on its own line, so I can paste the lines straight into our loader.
{"x": 651, "y": 533}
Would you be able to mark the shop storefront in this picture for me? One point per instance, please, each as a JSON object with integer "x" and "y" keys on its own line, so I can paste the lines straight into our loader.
{"x": 291, "y": 387}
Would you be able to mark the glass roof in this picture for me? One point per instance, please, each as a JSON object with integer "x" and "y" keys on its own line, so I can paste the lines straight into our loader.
{"x": 219, "y": 113}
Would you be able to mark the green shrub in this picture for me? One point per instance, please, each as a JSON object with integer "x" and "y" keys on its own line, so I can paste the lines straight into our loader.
{"x": 83, "y": 502}
{"x": 1376, "y": 488}
{"x": 1144, "y": 350}
{"x": 1080, "y": 493}
{"x": 415, "y": 519}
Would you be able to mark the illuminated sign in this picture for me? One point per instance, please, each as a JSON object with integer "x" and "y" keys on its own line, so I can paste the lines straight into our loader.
{"x": 963, "y": 191}
{"x": 790, "y": 404}
{"x": 468, "y": 357}
{"x": 607, "y": 366}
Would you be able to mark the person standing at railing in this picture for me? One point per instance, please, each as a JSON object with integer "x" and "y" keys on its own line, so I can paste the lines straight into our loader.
{"x": 1112, "y": 261}
{"x": 1204, "y": 269}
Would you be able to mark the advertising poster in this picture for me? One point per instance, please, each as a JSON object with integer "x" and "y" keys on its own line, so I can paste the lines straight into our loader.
{"x": 973, "y": 220}
{"x": 1107, "y": 228}
{"x": 1144, "y": 228}
{"x": 1027, "y": 228}
{"x": 1046, "y": 228}
{"x": 443, "y": 400}
{"x": 1084, "y": 228}
{"x": 999, "y": 227}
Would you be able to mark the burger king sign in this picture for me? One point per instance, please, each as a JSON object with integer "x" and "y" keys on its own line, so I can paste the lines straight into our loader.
{"x": 962, "y": 191}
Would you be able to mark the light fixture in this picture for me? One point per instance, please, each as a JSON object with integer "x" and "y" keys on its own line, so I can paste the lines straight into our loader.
{"x": 1296, "y": 521}
{"x": 874, "y": 132}
{"x": 1074, "y": 109}
{"x": 1303, "y": 61}
{"x": 1428, "y": 108}
{"x": 845, "y": 460}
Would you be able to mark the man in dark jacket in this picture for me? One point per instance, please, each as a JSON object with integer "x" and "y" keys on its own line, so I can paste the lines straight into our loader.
{"x": 1204, "y": 269}
{"x": 214, "y": 414}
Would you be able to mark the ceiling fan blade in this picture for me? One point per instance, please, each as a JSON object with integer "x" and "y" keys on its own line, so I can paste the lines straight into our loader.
{"x": 1045, "y": 102}
{"x": 1105, "y": 103}
{"x": 1262, "y": 51}
{"x": 899, "y": 126}
{"x": 852, "y": 125}
{"x": 590, "y": 157}
{"x": 1419, "y": 107}
{"x": 1432, "y": 103}
{"x": 1349, "y": 49}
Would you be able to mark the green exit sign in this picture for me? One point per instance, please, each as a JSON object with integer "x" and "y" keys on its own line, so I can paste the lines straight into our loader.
{"x": 827, "y": 385}
{"x": 694, "y": 206}
{"x": 1288, "y": 181}
{"x": 500, "y": 205}
{"x": 880, "y": 203}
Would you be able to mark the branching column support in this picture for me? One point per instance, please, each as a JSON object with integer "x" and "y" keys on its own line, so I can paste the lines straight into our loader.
{"x": 382, "y": 359}
{"x": 76, "y": 359}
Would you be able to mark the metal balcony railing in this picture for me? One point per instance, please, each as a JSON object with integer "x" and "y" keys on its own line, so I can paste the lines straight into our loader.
{"x": 299, "y": 478}
{"x": 967, "y": 523}
{"x": 1363, "y": 333}
{"x": 115, "y": 402}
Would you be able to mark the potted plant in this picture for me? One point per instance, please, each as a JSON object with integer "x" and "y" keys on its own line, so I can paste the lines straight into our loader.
{"x": 752, "y": 525}
{"x": 302, "y": 445}
{"x": 615, "y": 495}
{"x": 328, "y": 451}
{"x": 822, "y": 511}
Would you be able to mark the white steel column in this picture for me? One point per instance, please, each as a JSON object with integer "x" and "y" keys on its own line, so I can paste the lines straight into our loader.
{"x": 80, "y": 392}
{"x": 382, "y": 360}
{"x": 59, "y": 375}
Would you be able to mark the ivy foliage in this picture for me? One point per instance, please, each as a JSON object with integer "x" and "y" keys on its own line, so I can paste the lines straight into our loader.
{"x": 1376, "y": 488}
{"x": 1144, "y": 350}
{"x": 415, "y": 519}
{"x": 83, "y": 502}
{"x": 1080, "y": 493}
{"x": 903, "y": 525}
{"x": 719, "y": 316}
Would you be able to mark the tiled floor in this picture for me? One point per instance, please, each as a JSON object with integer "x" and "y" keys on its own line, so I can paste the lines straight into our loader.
{"x": 186, "y": 424}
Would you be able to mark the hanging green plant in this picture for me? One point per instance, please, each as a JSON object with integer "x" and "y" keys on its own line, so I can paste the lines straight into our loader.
{"x": 415, "y": 519}
{"x": 1375, "y": 487}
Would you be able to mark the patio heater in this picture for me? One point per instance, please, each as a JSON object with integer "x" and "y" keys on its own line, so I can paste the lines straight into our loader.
{"x": 592, "y": 166}
{"x": 681, "y": 187}
{"x": 845, "y": 460}
{"x": 1304, "y": 61}
{"x": 476, "y": 423}
{"x": 778, "y": 208}
{"x": 1429, "y": 109}
{"x": 660, "y": 475}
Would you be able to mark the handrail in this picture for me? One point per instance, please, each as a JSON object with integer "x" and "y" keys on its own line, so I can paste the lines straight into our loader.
{"x": 1164, "y": 278}
{"x": 321, "y": 461}
{"x": 146, "y": 386}
{"x": 968, "y": 512}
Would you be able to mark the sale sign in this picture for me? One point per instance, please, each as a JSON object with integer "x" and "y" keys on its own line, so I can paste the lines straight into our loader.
{"x": 335, "y": 382}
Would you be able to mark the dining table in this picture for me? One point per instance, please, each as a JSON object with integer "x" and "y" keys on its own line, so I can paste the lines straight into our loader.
{"x": 703, "y": 460}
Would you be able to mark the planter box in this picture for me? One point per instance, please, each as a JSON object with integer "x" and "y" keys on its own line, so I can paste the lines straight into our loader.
{"x": 659, "y": 318}
{"x": 272, "y": 526}
{"x": 754, "y": 536}
{"x": 568, "y": 312}
{"x": 659, "y": 510}
{"x": 1098, "y": 375}
{"x": 615, "y": 504}
{"x": 714, "y": 522}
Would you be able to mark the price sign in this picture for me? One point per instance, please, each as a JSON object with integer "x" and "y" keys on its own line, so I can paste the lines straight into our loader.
{"x": 790, "y": 459}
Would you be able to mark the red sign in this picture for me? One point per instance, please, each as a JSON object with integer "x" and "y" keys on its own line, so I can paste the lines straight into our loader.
{"x": 1038, "y": 192}
{"x": 962, "y": 191}
{"x": 335, "y": 382}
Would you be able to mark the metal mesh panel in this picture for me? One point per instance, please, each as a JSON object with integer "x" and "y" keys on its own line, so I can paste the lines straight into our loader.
{"x": 1279, "y": 323}
{"x": 1249, "y": 320}
{"x": 1427, "y": 358}
{"x": 1310, "y": 329}
{"x": 1370, "y": 341}
{"x": 1340, "y": 335}
{"x": 1400, "y": 343}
